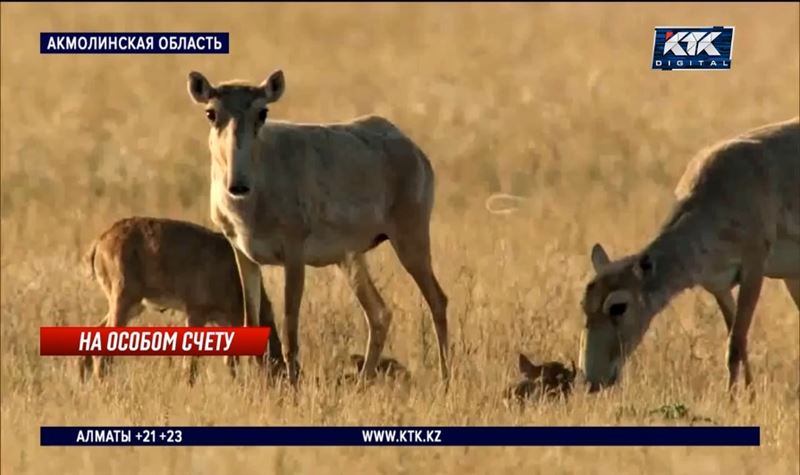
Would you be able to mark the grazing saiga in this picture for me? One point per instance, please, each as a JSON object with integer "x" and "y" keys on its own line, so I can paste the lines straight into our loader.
{"x": 301, "y": 194}
{"x": 735, "y": 222}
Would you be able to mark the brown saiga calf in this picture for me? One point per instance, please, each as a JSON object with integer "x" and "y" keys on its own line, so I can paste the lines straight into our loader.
{"x": 165, "y": 264}
{"x": 551, "y": 379}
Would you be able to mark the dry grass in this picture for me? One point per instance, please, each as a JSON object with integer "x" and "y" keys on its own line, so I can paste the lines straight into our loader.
{"x": 553, "y": 101}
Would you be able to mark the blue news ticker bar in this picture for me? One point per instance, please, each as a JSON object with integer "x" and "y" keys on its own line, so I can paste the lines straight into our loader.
{"x": 710, "y": 436}
{"x": 134, "y": 43}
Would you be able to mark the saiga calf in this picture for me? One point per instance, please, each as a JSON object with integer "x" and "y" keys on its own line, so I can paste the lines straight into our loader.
{"x": 165, "y": 264}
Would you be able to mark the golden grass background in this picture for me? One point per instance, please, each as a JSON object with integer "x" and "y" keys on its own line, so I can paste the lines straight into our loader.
{"x": 553, "y": 101}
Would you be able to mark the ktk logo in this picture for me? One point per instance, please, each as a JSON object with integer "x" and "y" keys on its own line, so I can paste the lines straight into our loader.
{"x": 696, "y": 43}
{"x": 700, "y": 48}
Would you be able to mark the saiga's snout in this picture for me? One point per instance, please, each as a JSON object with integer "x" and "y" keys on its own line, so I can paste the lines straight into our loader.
{"x": 240, "y": 150}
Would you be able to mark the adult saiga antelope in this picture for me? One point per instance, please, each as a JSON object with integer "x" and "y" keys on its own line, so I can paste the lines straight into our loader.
{"x": 736, "y": 221}
{"x": 294, "y": 195}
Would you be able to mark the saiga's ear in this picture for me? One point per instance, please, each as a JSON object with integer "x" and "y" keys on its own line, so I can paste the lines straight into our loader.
{"x": 527, "y": 368}
{"x": 274, "y": 86}
{"x": 599, "y": 257}
{"x": 200, "y": 89}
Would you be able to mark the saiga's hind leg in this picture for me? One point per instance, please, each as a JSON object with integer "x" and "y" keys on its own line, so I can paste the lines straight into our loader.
{"x": 86, "y": 363}
{"x": 121, "y": 311}
{"x": 412, "y": 245}
{"x": 378, "y": 317}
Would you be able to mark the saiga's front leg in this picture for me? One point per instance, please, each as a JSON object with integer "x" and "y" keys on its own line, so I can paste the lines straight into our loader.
{"x": 749, "y": 292}
{"x": 250, "y": 277}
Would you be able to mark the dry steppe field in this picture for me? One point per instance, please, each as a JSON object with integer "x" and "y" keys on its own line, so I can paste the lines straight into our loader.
{"x": 552, "y": 101}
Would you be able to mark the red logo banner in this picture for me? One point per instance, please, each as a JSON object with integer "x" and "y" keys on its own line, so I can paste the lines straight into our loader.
{"x": 153, "y": 341}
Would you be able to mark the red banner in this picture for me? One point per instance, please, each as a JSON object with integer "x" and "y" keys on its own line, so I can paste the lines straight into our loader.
{"x": 153, "y": 341}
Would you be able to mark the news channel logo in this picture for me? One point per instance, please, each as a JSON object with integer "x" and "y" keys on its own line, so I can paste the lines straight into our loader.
{"x": 693, "y": 48}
